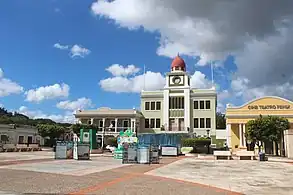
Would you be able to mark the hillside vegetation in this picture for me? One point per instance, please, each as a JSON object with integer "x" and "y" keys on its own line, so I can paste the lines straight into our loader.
{"x": 7, "y": 117}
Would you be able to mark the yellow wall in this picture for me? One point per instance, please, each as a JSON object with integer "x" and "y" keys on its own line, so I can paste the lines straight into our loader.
{"x": 235, "y": 139}
{"x": 249, "y": 111}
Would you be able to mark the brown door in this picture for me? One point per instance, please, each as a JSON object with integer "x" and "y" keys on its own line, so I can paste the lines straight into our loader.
{"x": 29, "y": 139}
{"x": 172, "y": 124}
{"x": 181, "y": 124}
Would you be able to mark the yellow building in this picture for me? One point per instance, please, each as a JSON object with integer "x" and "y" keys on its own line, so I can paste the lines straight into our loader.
{"x": 237, "y": 117}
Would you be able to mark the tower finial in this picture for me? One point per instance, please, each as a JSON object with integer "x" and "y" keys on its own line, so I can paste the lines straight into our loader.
{"x": 178, "y": 54}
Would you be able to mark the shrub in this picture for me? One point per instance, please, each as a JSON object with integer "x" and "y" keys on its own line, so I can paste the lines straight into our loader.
{"x": 196, "y": 142}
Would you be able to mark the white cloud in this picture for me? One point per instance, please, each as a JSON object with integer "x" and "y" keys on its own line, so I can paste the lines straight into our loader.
{"x": 260, "y": 37}
{"x": 199, "y": 80}
{"x": 119, "y": 84}
{"x": 67, "y": 117}
{"x": 81, "y": 103}
{"x": 79, "y": 51}
{"x": 74, "y": 51}
{"x": 47, "y": 92}
{"x": 123, "y": 82}
{"x": 119, "y": 70}
{"x": 8, "y": 87}
{"x": 62, "y": 47}
{"x": 241, "y": 88}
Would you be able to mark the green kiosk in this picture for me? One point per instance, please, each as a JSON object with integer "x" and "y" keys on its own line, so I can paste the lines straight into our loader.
{"x": 89, "y": 136}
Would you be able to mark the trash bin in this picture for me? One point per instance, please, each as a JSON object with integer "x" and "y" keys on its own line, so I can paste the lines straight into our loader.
{"x": 262, "y": 156}
{"x": 143, "y": 155}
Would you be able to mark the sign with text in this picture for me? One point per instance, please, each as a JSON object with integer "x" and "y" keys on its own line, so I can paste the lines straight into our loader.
{"x": 269, "y": 107}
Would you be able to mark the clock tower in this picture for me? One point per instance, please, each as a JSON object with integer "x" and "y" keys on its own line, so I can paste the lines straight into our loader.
{"x": 177, "y": 97}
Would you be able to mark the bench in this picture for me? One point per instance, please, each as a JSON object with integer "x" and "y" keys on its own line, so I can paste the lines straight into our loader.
{"x": 9, "y": 147}
{"x": 34, "y": 147}
{"x": 242, "y": 154}
{"x": 226, "y": 154}
{"x": 22, "y": 147}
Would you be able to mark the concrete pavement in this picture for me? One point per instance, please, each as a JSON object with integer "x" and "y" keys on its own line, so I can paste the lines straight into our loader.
{"x": 247, "y": 177}
{"x": 101, "y": 175}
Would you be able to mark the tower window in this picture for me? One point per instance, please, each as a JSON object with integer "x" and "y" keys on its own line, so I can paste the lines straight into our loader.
{"x": 195, "y": 105}
{"x": 208, "y": 123}
{"x": 152, "y": 123}
{"x": 158, "y": 105}
{"x": 147, "y": 123}
{"x": 201, "y": 123}
{"x": 208, "y": 104}
{"x": 195, "y": 123}
{"x": 201, "y": 104}
{"x": 153, "y": 105}
{"x": 176, "y": 103}
{"x": 147, "y": 105}
{"x": 158, "y": 123}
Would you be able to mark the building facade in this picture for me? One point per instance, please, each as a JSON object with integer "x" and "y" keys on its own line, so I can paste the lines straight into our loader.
{"x": 238, "y": 116}
{"x": 177, "y": 108}
{"x": 11, "y": 134}
{"x": 110, "y": 121}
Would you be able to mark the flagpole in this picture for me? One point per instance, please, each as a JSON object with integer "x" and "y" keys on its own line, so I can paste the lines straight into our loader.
{"x": 212, "y": 71}
{"x": 144, "y": 77}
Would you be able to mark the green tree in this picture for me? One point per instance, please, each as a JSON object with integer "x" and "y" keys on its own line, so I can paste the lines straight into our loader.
{"x": 275, "y": 132}
{"x": 50, "y": 130}
{"x": 270, "y": 128}
{"x": 221, "y": 120}
{"x": 256, "y": 131}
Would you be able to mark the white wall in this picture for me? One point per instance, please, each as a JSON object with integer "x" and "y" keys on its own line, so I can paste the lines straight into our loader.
{"x": 221, "y": 134}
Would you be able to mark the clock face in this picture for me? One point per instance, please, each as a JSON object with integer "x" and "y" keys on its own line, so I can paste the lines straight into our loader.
{"x": 176, "y": 80}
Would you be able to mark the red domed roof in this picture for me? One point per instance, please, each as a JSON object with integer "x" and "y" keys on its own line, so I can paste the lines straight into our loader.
{"x": 178, "y": 62}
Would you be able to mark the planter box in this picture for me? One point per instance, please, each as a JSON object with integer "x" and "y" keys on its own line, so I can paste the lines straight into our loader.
{"x": 186, "y": 150}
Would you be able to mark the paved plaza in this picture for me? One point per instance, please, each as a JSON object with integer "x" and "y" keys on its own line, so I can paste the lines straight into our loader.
{"x": 245, "y": 176}
{"x": 38, "y": 172}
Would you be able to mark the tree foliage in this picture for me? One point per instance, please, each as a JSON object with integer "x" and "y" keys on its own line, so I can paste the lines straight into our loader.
{"x": 50, "y": 130}
{"x": 269, "y": 128}
{"x": 46, "y": 127}
{"x": 16, "y": 118}
{"x": 76, "y": 127}
{"x": 221, "y": 120}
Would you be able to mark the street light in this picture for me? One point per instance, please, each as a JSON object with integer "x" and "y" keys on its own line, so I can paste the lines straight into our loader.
{"x": 208, "y": 132}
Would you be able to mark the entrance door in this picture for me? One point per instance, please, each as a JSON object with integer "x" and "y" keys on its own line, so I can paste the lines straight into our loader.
{"x": 29, "y": 139}
{"x": 181, "y": 124}
{"x": 172, "y": 124}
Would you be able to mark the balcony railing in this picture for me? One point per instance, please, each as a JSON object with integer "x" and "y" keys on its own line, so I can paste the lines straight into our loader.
{"x": 176, "y": 128}
{"x": 113, "y": 129}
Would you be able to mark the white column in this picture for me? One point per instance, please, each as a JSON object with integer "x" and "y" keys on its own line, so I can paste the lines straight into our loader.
{"x": 166, "y": 109}
{"x": 134, "y": 125}
{"x": 240, "y": 135}
{"x": 131, "y": 124}
{"x": 228, "y": 128}
{"x": 244, "y": 138}
{"x": 102, "y": 144}
{"x": 104, "y": 123}
{"x": 116, "y": 123}
{"x": 186, "y": 109}
{"x": 92, "y": 121}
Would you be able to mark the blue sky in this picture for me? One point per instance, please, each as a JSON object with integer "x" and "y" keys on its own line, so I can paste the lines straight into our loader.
{"x": 31, "y": 32}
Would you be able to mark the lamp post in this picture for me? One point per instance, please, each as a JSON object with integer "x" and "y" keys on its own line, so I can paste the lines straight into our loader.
{"x": 208, "y": 133}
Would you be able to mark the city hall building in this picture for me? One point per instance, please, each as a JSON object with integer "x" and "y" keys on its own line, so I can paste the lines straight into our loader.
{"x": 238, "y": 116}
{"x": 177, "y": 108}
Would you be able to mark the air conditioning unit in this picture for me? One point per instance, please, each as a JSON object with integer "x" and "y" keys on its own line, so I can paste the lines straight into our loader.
{"x": 86, "y": 137}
